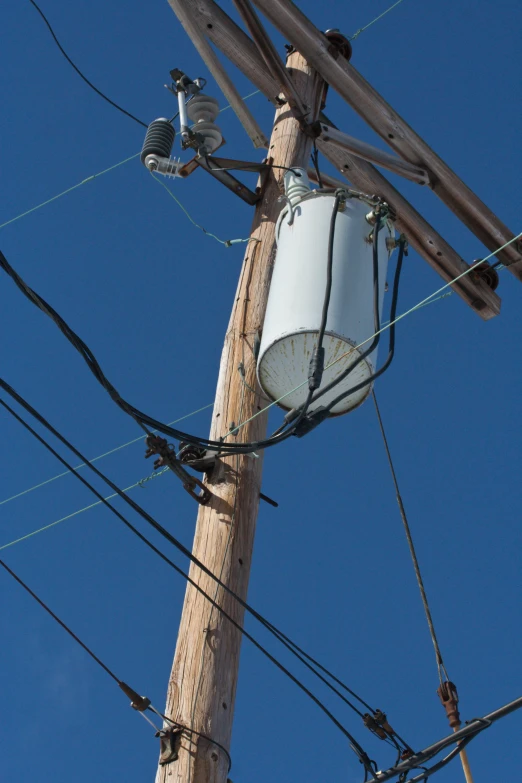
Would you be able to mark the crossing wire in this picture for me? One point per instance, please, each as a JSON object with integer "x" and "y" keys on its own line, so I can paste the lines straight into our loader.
{"x": 278, "y": 634}
{"x": 285, "y": 640}
{"x": 140, "y": 483}
{"x": 100, "y": 456}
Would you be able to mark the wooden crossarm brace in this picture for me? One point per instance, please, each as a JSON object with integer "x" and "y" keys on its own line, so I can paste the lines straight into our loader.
{"x": 209, "y": 57}
{"x": 380, "y": 116}
{"x": 243, "y": 53}
{"x": 269, "y": 54}
{"x": 372, "y": 154}
{"x": 421, "y": 235}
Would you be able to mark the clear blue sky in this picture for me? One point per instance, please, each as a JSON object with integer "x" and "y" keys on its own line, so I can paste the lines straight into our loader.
{"x": 151, "y": 295}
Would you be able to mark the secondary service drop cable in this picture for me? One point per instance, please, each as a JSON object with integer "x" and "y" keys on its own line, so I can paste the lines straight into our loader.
{"x": 357, "y": 748}
{"x": 141, "y": 418}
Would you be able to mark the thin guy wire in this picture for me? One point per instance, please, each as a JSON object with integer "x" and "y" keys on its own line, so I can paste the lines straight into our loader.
{"x": 69, "y": 190}
{"x": 384, "y": 327}
{"x": 225, "y": 242}
{"x": 101, "y": 456}
{"x": 60, "y": 622}
{"x": 94, "y": 176}
{"x": 438, "y": 654}
{"x": 140, "y": 483}
{"x": 80, "y": 74}
{"x": 362, "y": 29}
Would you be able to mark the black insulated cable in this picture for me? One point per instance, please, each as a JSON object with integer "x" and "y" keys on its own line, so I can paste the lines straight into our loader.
{"x": 391, "y": 344}
{"x": 288, "y": 643}
{"x": 80, "y": 74}
{"x": 320, "y": 414}
{"x": 141, "y": 418}
{"x": 60, "y": 622}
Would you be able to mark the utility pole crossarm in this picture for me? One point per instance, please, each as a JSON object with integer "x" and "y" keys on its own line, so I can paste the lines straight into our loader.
{"x": 383, "y": 119}
{"x": 421, "y": 235}
{"x": 202, "y": 685}
{"x": 243, "y": 53}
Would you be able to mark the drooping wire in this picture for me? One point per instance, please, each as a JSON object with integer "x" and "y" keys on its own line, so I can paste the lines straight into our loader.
{"x": 141, "y": 418}
{"x": 285, "y": 640}
{"x": 100, "y": 456}
{"x": 441, "y": 669}
{"x": 225, "y": 242}
{"x": 80, "y": 74}
{"x": 353, "y": 743}
{"x": 391, "y": 344}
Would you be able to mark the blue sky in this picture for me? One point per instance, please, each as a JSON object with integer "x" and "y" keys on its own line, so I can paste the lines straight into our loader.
{"x": 151, "y": 295}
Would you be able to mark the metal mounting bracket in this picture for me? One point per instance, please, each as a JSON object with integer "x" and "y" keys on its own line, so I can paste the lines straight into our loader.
{"x": 170, "y": 743}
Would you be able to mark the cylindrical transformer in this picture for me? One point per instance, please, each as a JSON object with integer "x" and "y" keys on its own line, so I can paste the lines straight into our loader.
{"x": 296, "y": 298}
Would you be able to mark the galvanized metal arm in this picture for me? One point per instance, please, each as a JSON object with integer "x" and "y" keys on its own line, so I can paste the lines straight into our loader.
{"x": 462, "y": 736}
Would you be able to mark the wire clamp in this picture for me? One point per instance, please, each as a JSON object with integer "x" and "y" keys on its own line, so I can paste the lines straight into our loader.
{"x": 167, "y": 458}
{"x": 170, "y": 743}
{"x": 138, "y": 703}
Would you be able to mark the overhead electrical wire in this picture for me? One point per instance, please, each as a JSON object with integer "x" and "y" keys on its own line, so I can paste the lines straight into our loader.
{"x": 362, "y": 29}
{"x": 100, "y": 456}
{"x": 141, "y": 483}
{"x": 142, "y": 702}
{"x": 80, "y": 74}
{"x": 143, "y": 420}
{"x": 291, "y": 646}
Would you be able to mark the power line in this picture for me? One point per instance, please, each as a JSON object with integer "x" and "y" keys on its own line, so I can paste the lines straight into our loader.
{"x": 140, "y": 483}
{"x": 69, "y": 190}
{"x": 438, "y": 655}
{"x": 60, "y": 622}
{"x": 140, "y": 703}
{"x": 426, "y": 301}
{"x": 93, "y": 176}
{"x": 80, "y": 74}
{"x": 272, "y": 629}
{"x": 362, "y": 29}
{"x": 100, "y": 456}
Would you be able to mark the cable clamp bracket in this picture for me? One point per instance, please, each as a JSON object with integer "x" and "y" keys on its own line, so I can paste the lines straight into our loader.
{"x": 170, "y": 743}
{"x": 167, "y": 458}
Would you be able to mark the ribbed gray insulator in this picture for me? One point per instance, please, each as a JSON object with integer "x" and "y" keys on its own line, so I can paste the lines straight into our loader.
{"x": 158, "y": 139}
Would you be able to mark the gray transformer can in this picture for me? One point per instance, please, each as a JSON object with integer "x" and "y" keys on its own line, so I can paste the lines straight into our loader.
{"x": 296, "y": 299}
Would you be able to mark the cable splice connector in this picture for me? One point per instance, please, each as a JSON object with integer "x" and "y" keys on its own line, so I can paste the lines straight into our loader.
{"x": 167, "y": 458}
{"x": 311, "y": 421}
{"x": 139, "y": 703}
{"x": 450, "y": 698}
{"x": 315, "y": 371}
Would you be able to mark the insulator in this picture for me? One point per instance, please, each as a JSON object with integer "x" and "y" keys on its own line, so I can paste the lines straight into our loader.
{"x": 297, "y": 185}
{"x": 202, "y": 108}
{"x": 158, "y": 139}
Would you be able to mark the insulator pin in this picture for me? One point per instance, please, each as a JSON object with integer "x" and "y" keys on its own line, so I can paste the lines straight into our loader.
{"x": 159, "y": 139}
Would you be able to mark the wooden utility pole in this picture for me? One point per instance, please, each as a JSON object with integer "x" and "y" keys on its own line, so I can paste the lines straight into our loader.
{"x": 202, "y": 686}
